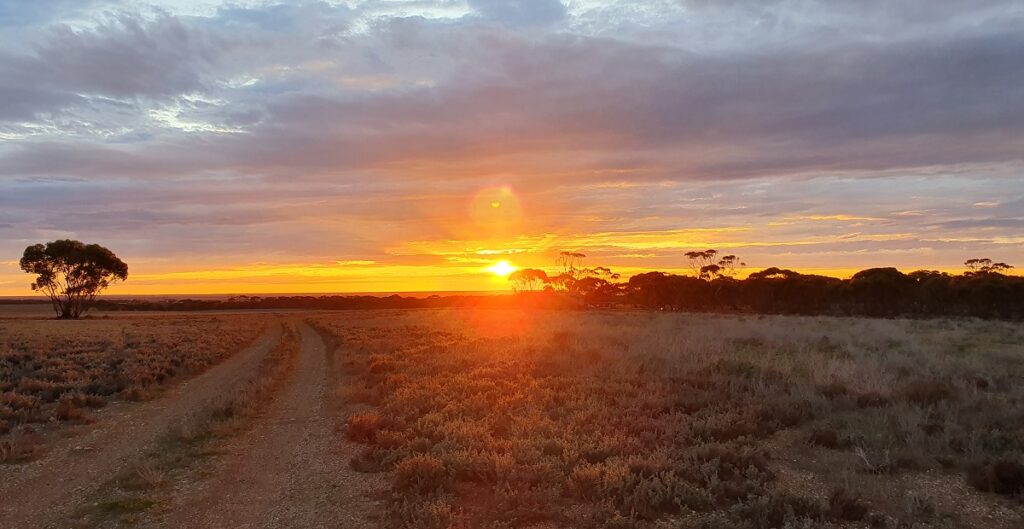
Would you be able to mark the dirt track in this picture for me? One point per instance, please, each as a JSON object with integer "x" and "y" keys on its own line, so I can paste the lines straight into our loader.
{"x": 289, "y": 470}
{"x": 41, "y": 493}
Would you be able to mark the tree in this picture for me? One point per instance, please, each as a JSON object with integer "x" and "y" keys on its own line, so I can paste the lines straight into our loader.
{"x": 774, "y": 273}
{"x": 528, "y": 280}
{"x": 596, "y": 285}
{"x": 700, "y": 260}
{"x": 985, "y": 266}
{"x": 71, "y": 273}
{"x": 570, "y": 263}
{"x": 881, "y": 291}
{"x": 705, "y": 266}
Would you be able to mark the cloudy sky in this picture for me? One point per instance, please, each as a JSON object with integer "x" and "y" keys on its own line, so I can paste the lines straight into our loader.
{"x": 408, "y": 145}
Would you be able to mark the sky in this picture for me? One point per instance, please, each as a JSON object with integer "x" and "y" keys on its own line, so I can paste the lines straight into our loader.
{"x": 262, "y": 147}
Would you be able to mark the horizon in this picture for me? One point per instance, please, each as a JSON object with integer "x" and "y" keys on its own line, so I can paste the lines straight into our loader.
{"x": 123, "y": 290}
{"x": 378, "y": 147}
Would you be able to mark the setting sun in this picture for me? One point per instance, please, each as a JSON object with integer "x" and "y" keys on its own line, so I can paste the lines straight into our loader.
{"x": 502, "y": 268}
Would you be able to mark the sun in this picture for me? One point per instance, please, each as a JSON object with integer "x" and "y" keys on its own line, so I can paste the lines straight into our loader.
{"x": 501, "y": 268}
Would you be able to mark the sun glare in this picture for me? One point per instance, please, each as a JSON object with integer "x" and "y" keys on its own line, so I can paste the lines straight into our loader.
{"x": 501, "y": 268}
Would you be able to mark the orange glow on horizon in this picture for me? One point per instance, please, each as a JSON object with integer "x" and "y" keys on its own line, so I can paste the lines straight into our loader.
{"x": 326, "y": 278}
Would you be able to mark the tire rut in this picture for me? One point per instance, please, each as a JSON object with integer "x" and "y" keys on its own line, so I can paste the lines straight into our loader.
{"x": 44, "y": 492}
{"x": 290, "y": 469}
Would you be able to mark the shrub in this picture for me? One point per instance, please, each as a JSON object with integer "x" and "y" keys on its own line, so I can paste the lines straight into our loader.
{"x": 421, "y": 474}
{"x": 66, "y": 410}
{"x": 21, "y": 445}
{"x": 363, "y": 427}
{"x": 1003, "y": 476}
{"x": 824, "y": 437}
{"x": 778, "y": 510}
{"x": 927, "y": 392}
{"x": 834, "y": 390}
{"x": 845, "y": 504}
{"x": 871, "y": 399}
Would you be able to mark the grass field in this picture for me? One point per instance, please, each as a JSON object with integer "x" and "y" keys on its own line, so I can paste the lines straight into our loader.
{"x": 462, "y": 418}
{"x": 617, "y": 420}
{"x": 54, "y": 373}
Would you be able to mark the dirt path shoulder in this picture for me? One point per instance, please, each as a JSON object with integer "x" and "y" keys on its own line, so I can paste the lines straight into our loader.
{"x": 38, "y": 494}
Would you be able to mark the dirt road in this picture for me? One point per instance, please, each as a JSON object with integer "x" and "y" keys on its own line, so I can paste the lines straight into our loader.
{"x": 41, "y": 493}
{"x": 290, "y": 469}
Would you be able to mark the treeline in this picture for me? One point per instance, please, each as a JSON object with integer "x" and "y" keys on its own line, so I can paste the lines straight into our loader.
{"x": 983, "y": 290}
{"x": 877, "y": 292}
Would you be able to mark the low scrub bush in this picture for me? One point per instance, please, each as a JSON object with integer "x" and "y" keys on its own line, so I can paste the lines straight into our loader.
{"x": 1003, "y": 476}
{"x": 519, "y": 419}
{"x": 363, "y": 427}
{"x": 420, "y": 474}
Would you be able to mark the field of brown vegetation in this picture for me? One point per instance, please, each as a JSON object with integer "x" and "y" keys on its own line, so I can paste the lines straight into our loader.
{"x": 54, "y": 373}
{"x": 502, "y": 419}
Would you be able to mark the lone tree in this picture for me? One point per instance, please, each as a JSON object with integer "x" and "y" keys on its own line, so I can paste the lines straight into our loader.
{"x": 71, "y": 273}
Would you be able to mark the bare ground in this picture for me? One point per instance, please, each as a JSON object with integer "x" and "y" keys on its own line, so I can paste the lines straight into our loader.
{"x": 289, "y": 470}
{"x": 40, "y": 493}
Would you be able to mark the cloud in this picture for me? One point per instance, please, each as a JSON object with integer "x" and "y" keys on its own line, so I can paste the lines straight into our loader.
{"x": 361, "y": 124}
{"x": 20, "y": 14}
{"x": 520, "y": 12}
{"x": 125, "y": 57}
{"x": 682, "y": 116}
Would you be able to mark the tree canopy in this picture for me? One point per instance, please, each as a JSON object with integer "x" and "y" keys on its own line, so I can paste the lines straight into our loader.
{"x": 71, "y": 273}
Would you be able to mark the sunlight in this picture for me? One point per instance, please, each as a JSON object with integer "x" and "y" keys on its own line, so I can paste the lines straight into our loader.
{"x": 502, "y": 268}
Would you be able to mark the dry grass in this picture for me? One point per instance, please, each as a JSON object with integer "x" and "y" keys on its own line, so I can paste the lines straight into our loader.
{"x": 56, "y": 372}
{"x": 599, "y": 420}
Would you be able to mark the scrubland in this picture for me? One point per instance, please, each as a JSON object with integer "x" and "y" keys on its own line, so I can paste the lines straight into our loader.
{"x": 503, "y": 418}
{"x": 55, "y": 373}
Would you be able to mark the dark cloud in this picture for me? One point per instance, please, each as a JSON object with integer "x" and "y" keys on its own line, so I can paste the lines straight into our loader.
{"x": 987, "y": 222}
{"x": 871, "y": 107}
{"x": 24, "y": 103}
{"x": 127, "y": 57}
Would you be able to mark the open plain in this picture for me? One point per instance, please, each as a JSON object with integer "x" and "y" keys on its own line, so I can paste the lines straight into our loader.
{"x": 510, "y": 418}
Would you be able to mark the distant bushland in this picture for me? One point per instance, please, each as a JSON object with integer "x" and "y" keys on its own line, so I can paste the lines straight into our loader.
{"x": 876, "y": 292}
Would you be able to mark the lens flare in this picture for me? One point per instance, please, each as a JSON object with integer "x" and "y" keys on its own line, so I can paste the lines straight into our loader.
{"x": 496, "y": 210}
